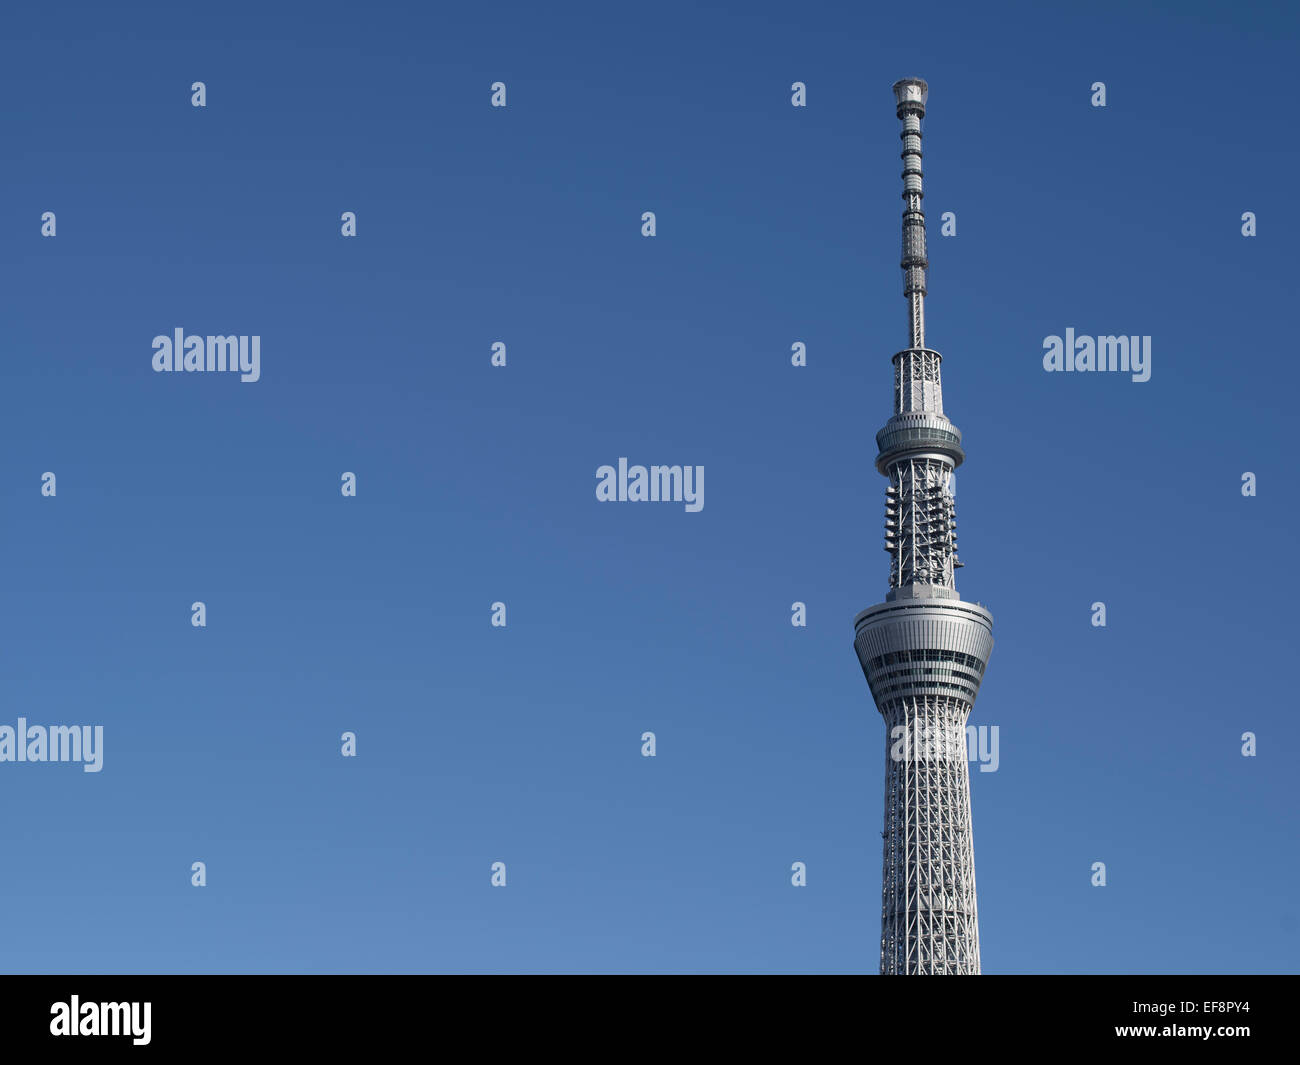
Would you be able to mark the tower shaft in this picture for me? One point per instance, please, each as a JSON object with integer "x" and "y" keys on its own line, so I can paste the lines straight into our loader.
{"x": 923, "y": 650}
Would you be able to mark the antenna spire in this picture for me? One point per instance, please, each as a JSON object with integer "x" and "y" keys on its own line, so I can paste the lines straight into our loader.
{"x": 911, "y": 95}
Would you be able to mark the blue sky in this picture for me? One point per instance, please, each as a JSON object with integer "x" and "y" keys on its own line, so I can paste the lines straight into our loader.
{"x": 476, "y": 484}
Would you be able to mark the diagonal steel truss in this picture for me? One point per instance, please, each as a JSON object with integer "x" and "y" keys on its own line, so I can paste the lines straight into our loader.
{"x": 928, "y": 916}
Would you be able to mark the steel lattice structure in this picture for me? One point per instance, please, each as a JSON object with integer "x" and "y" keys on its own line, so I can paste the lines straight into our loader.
{"x": 923, "y": 650}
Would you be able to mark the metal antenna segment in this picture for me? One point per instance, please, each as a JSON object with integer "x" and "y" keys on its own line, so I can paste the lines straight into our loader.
{"x": 912, "y": 95}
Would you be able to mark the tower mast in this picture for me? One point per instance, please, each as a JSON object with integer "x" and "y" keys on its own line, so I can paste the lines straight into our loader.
{"x": 923, "y": 649}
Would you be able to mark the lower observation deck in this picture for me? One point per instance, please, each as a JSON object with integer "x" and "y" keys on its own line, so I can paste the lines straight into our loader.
{"x": 923, "y": 646}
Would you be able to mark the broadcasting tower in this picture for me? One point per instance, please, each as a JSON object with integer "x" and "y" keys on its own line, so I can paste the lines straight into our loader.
{"x": 923, "y": 649}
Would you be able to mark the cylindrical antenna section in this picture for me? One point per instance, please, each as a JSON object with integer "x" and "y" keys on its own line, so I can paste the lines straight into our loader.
{"x": 911, "y": 95}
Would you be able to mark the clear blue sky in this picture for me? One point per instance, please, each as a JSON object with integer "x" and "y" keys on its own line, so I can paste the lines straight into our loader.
{"x": 476, "y": 484}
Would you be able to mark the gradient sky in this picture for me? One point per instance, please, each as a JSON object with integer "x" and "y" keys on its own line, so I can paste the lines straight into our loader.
{"x": 476, "y": 484}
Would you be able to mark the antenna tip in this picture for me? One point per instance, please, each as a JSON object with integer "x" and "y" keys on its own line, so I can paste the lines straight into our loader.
{"x": 911, "y": 95}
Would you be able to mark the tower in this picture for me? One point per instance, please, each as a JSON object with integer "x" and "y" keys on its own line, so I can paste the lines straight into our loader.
{"x": 923, "y": 650}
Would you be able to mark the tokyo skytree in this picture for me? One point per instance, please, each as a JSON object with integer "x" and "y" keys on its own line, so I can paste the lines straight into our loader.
{"x": 923, "y": 650}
